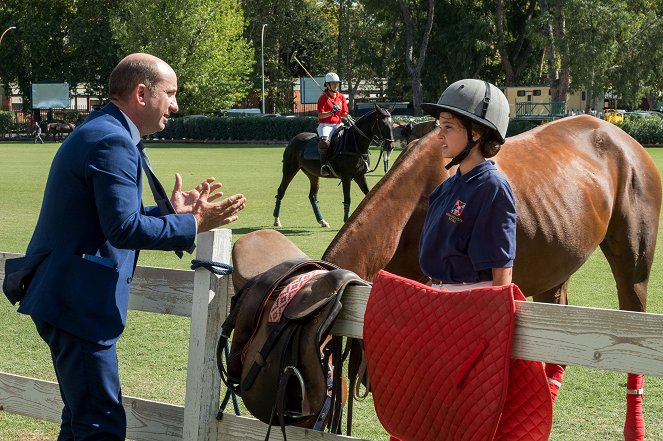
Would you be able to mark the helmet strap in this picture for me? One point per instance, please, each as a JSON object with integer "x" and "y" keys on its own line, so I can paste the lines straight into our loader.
{"x": 466, "y": 151}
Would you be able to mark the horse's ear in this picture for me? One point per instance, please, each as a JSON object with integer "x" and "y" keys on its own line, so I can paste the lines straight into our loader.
{"x": 391, "y": 108}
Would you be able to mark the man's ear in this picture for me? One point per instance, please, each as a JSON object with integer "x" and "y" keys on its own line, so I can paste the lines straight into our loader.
{"x": 139, "y": 94}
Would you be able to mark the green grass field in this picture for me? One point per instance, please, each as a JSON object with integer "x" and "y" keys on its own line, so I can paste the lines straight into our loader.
{"x": 153, "y": 350}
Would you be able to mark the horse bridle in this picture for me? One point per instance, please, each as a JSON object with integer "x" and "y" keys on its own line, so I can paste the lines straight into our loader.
{"x": 375, "y": 139}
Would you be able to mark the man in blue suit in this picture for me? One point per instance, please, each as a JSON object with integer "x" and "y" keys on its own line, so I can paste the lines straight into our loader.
{"x": 84, "y": 248}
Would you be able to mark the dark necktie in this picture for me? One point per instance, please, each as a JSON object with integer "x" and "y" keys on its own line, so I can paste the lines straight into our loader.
{"x": 160, "y": 196}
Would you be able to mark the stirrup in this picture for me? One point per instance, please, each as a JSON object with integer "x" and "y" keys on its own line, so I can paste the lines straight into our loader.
{"x": 325, "y": 171}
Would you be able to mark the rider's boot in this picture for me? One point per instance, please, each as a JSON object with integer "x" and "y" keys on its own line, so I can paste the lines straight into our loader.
{"x": 323, "y": 147}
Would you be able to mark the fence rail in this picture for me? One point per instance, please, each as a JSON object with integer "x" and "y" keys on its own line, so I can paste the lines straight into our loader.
{"x": 597, "y": 338}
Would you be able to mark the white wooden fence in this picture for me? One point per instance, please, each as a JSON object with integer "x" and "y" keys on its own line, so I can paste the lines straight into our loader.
{"x": 597, "y": 338}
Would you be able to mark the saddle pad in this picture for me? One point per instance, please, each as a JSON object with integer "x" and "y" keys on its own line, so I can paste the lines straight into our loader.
{"x": 311, "y": 149}
{"x": 444, "y": 372}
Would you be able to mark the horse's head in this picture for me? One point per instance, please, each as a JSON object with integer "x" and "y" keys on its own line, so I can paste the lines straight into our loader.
{"x": 403, "y": 133}
{"x": 383, "y": 128}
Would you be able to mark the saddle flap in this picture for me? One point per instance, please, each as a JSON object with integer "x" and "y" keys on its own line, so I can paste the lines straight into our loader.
{"x": 258, "y": 251}
{"x": 317, "y": 293}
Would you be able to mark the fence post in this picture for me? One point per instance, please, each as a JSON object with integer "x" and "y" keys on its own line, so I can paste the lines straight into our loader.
{"x": 210, "y": 297}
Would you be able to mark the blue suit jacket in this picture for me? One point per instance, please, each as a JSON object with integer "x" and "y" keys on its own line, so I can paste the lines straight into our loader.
{"x": 92, "y": 205}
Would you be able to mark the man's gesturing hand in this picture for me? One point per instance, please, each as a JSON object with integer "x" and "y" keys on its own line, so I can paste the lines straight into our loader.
{"x": 211, "y": 215}
{"x": 183, "y": 201}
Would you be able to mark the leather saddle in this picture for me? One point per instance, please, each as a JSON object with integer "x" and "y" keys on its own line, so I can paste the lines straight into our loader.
{"x": 337, "y": 145}
{"x": 453, "y": 378}
{"x": 284, "y": 307}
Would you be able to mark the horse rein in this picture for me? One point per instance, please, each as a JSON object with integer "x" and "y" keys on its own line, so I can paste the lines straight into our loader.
{"x": 376, "y": 140}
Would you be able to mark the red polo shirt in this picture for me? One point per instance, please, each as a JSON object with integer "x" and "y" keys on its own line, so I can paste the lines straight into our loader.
{"x": 325, "y": 106}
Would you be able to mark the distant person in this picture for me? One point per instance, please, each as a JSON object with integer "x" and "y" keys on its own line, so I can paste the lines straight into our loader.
{"x": 37, "y": 133}
{"x": 83, "y": 252}
{"x": 332, "y": 106}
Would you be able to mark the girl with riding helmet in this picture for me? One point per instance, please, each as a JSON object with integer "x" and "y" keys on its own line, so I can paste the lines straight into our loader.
{"x": 332, "y": 106}
{"x": 469, "y": 235}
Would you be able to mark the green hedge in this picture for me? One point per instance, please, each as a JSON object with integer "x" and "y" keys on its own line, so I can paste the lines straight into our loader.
{"x": 250, "y": 128}
{"x": 6, "y": 121}
{"x": 646, "y": 131}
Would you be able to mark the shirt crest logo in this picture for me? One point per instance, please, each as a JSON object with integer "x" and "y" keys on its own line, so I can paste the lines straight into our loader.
{"x": 458, "y": 208}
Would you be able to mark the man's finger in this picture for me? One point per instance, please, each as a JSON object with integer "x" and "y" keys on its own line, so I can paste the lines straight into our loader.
{"x": 204, "y": 191}
{"x": 199, "y": 187}
{"x": 215, "y": 196}
{"x": 178, "y": 183}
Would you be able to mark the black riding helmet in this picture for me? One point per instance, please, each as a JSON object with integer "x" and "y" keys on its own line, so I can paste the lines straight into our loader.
{"x": 477, "y": 100}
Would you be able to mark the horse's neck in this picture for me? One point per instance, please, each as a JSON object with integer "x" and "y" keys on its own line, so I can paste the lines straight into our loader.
{"x": 362, "y": 133}
{"x": 389, "y": 211}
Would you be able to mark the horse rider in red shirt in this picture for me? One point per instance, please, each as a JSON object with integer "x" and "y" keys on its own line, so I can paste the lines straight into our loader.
{"x": 332, "y": 106}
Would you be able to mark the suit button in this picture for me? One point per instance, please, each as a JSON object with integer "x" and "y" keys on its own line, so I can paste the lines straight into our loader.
{"x": 129, "y": 279}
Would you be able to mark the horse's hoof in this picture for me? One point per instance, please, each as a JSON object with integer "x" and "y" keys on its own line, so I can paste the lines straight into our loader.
{"x": 323, "y": 223}
{"x": 277, "y": 222}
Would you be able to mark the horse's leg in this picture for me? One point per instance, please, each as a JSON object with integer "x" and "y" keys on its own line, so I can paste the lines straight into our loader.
{"x": 629, "y": 248}
{"x": 289, "y": 171}
{"x": 346, "y": 196}
{"x": 554, "y": 372}
{"x": 313, "y": 198}
{"x": 362, "y": 183}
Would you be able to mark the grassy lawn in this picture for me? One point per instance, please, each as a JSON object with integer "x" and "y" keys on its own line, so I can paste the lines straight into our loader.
{"x": 153, "y": 350}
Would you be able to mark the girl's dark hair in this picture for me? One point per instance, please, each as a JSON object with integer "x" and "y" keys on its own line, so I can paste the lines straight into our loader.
{"x": 489, "y": 142}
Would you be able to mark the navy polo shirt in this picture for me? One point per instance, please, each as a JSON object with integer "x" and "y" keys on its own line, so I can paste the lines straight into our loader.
{"x": 470, "y": 227}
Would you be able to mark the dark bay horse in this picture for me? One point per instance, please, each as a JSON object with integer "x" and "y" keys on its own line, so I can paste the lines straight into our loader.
{"x": 58, "y": 129}
{"x": 348, "y": 158}
{"x": 579, "y": 183}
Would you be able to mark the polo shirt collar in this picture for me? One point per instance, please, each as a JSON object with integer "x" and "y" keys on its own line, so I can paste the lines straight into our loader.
{"x": 480, "y": 169}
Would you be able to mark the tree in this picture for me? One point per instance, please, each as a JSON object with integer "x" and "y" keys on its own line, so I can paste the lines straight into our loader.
{"x": 637, "y": 70}
{"x": 415, "y": 63}
{"x": 557, "y": 49}
{"x": 362, "y": 50}
{"x": 39, "y": 48}
{"x": 201, "y": 40}
{"x": 94, "y": 51}
{"x": 516, "y": 58}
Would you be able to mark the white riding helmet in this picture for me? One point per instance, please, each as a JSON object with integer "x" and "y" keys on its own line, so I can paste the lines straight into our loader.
{"x": 331, "y": 77}
{"x": 477, "y": 100}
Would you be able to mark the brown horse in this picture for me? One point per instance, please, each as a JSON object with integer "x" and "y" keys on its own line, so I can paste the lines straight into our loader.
{"x": 579, "y": 183}
{"x": 58, "y": 129}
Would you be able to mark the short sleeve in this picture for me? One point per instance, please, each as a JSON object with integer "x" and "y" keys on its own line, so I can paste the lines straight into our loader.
{"x": 493, "y": 239}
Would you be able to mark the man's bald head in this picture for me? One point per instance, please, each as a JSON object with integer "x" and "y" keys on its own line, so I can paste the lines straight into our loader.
{"x": 135, "y": 69}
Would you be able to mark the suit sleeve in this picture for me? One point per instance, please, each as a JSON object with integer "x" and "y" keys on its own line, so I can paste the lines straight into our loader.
{"x": 113, "y": 171}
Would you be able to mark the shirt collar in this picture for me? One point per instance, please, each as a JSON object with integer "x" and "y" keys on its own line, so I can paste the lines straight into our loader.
{"x": 133, "y": 130}
{"x": 476, "y": 171}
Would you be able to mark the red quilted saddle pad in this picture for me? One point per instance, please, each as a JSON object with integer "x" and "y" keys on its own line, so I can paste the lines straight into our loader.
{"x": 440, "y": 368}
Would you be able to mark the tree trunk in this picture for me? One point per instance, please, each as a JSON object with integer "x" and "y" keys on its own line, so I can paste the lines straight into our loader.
{"x": 414, "y": 67}
{"x": 504, "y": 56}
{"x": 557, "y": 46}
{"x": 513, "y": 64}
{"x": 564, "y": 76}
